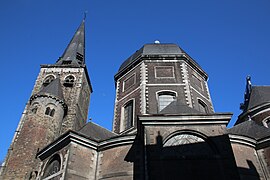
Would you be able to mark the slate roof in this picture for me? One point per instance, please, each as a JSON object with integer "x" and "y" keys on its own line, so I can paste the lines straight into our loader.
{"x": 152, "y": 49}
{"x": 96, "y": 132}
{"x": 176, "y": 107}
{"x": 258, "y": 96}
{"x": 250, "y": 129}
{"x": 75, "y": 48}
{"x": 54, "y": 88}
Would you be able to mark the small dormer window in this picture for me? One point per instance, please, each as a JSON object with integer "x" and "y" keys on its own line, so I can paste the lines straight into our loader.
{"x": 66, "y": 62}
{"x": 69, "y": 81}
{"x": 79, "y": 57}
{"x": 48, "y": 80}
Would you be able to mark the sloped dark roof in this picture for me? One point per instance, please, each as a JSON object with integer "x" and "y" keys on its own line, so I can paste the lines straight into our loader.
{"x": 152, "y": 49}
{"x": 250, "y": 129}
{"x": 54, "y": 88}
{"x": 75, "y": 50}
{"x": 176, "y": 107}
{"x": 96, "y": 132}
{"x": 258, "y": 96}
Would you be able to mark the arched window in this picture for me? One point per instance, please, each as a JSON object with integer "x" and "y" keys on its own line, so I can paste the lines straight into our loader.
{"x": 52, "y": 112}
{"x": 49, "y": 111}
{"x": 34, "y": 108}
{"x": 266, "y": 122}
{"x": 183, "y": 139}
{"x": 48, "y": 80}
{"x": 69, "y": 81}
{"x": 53, "y": 166}
{"x": 202, "y": 106}
{"x": 127, "y": 116}
{"x": 188, "y": 144}
{"x": 165, "y": 98}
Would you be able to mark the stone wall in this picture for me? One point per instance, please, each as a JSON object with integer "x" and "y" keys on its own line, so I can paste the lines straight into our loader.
{"x": 112, "y": 163}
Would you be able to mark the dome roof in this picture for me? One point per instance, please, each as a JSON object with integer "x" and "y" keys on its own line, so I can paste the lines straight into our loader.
{"x": 152, "y": 49}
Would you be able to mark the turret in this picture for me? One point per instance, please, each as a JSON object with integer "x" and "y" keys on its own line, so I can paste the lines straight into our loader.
{"x": 159, "y": 79}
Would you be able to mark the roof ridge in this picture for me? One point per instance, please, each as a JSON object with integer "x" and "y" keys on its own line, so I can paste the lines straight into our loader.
{"x": 101, "y": 127}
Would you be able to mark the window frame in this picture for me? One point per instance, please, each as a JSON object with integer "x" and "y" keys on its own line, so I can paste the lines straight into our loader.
{"x": 48, "y": 163}
{"x": 44, "y": 83}
{"x": 204, "y": 105}
{"x": 69, "y": 84}
{"x": 50, "y": 110}
{"x": 123, "y": 124}
{"x": 165, "y": 92}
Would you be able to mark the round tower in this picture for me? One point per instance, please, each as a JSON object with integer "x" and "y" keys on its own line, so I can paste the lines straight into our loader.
{"x": 41, "y": 125}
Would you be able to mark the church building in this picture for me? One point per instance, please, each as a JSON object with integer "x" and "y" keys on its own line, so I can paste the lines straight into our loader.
{"x": 164, "y": 124}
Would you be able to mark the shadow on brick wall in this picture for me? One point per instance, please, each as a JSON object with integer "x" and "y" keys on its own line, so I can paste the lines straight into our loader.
{"x": 209, "y": 160}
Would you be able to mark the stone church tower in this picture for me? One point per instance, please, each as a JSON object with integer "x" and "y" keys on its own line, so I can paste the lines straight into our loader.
{"x": 59, "y": 102}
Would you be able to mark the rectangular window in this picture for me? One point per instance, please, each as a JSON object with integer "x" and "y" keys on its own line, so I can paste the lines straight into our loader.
{"x": 128, "y": 115}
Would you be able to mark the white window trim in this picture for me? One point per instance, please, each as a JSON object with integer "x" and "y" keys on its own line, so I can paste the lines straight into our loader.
{"x": 203, "y": 103}
{"x": 122, "y": 123}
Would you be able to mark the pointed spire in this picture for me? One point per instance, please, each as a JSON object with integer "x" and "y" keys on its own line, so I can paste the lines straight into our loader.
{"x": 75, "y": 51}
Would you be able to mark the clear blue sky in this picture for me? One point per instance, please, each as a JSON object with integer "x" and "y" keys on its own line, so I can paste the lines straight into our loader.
{"x": 229, "y": 39}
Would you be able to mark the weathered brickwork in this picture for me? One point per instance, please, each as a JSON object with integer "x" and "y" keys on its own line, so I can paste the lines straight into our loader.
{"x": 125, "y": 94}
{"x": 81, "y": 163}
{"x": 212, "y": 152}
{"x": 115, "y": 167}
{"x": 64, "y": 155}
{"x": 247, "y": 162}
{"x": 152, "y": 77}
{"x": 77, "y": 97}
{"x": 37, "y": 130}
{"x": 153, "y": 96}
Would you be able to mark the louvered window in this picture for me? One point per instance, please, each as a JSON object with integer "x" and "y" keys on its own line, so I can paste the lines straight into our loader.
{"x": 48, "y": 80}
{"x": 69, "y": 81}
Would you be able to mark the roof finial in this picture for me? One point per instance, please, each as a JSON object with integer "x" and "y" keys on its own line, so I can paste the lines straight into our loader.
{"x": 157, "y": 42}
{"x": 85, "y": 13}
{"x": 243, "y": 106}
